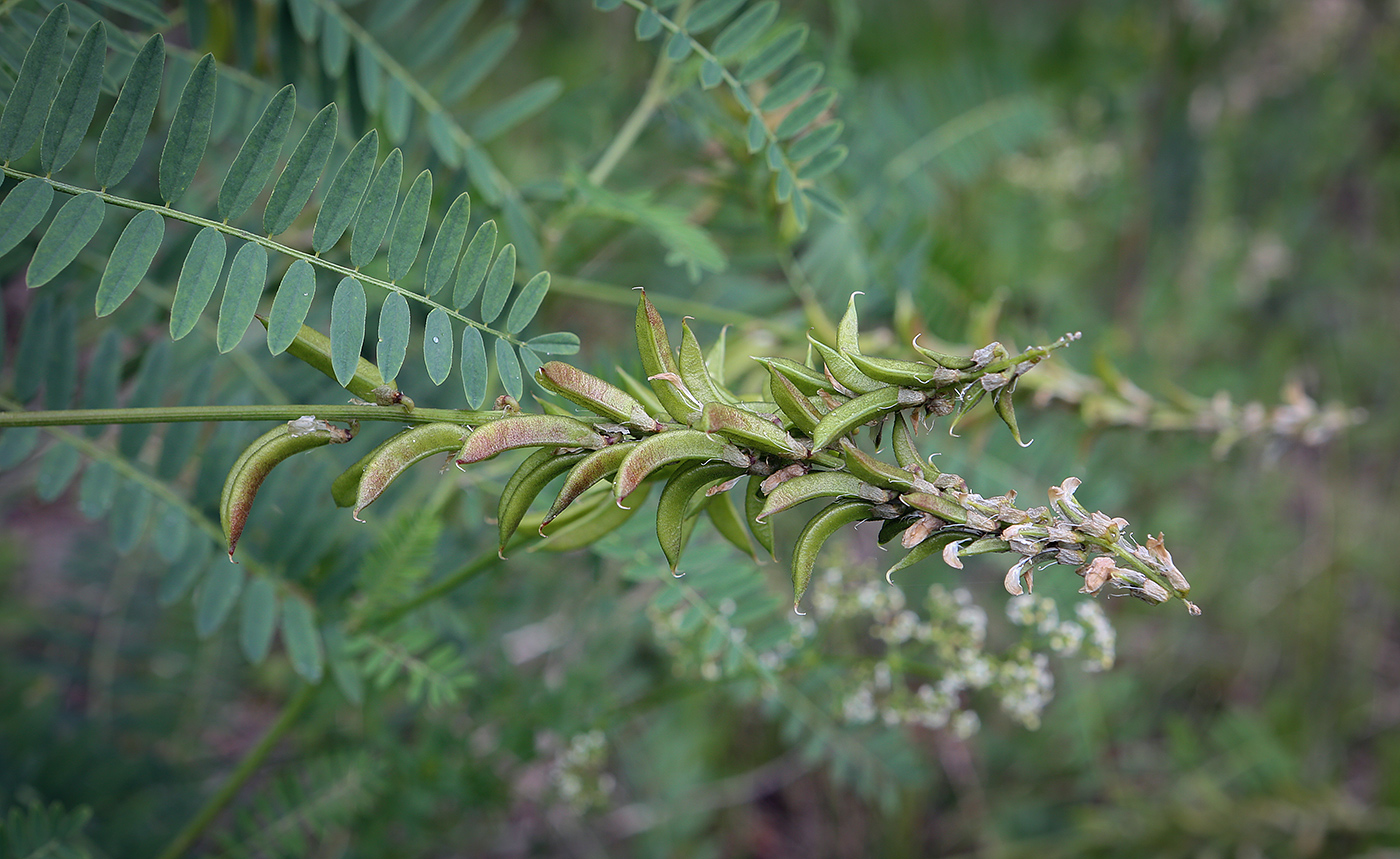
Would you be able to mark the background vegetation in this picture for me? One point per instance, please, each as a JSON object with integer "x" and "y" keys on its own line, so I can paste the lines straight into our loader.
{"x": 1208, "y": 190}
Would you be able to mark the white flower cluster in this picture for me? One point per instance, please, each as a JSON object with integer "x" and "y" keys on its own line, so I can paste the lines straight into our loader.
{"x": 1025, "y": 685}
{"x": 578, "y": 772}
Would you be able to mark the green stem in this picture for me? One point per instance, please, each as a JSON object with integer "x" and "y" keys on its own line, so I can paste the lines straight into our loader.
{"x": 252, "y": 759}
{"x": 187, "y": 414}
{"x": 478, "y": 565}
{"x": 266, "y": 242}
{"x": 652, "y": 98}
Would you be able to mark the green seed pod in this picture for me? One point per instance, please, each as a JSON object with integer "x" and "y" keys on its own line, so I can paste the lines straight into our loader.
{"x": 805, "y": 379}
{"x": 346, "y": 488}
{"x": 910, "y": 374}
{"x": 669, "y": 447}
{"x": 694, "y": 371}
{"x": 314, "y": 348}
{"x": 848, "y": 329}
{"x": 257, "y": 461}
{"x": 1001, "y": 402}
{"x": 831, "y": 519}
{"x": 528, "y": 481}
{"x": 864, "y": 409}
{"x": 594, "y": 467}
{"x": 585, "y": 530}
{"x": 657, "y": 360}
{"x": 952, "y": 362}
{"x": 398, "y": 453}
{"x": 879, "y": 473}
{"x": 527, "y": 431}
{"x": 935, "y": 544}
{"x": 643, "y": 393}
{"x": 906, "y": 453}
{"x": 819, "y": 484}
{"x": 675, "y": 505}
{"x": 746, "y": 428}
{"x": 843, "y": 371}
{"x": 595, "y": 395}
{"x": 725, "y": 517}
{"x": 794, "y": 404}
{"x": 936, "y": 503}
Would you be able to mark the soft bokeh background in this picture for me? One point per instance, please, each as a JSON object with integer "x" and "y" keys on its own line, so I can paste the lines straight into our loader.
{"x": 1208, "y": 189}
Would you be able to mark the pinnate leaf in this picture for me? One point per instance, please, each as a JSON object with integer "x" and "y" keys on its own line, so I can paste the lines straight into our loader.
{"x": 257, "y": 158}
{"x": 376, "y": 211}
{"x": 773, "y": 55}
{"x": 198, "y": 277}
{"x": 246, "y": 279}
{"x": 408, "y": 232}
{"x": 189, "y": 131}
{"x": 745, "y": 29}
{"x": 347, "y": 328}
{"x": 293, "y": 188}
{"x": 709, "y": 13}
{"x": 447, "y": 246}
{"x": 507, "y": 367}
{"x": 527, "y": 303}
{"x": 473, "y": 367}
{"x": 498, "y": 284}
{"x": 555, "y": 343}
{"x": 475, "y": 262}
{"x": 394, "y": 326}
{"x": 342, "y": 199}
{"x": 72, "y": 109}
{"x": 22, "y": 210}
{"x": 805, "y": 113}
{"x": 437, "y": 345}
{"x": 259, "y": 619}
{"x": 130, "y": 119}
{"x": 294, "y": 296}
{"x": 72, "y": 228}
{"x": 302, "y": 640}
{"x": 792, "y": 86}
{"x": 130, "y": 259}
{"x": 28, "y": 104}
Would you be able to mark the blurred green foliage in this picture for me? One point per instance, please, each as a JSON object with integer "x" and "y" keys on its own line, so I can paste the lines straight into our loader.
{"x": 1208, "y": 189}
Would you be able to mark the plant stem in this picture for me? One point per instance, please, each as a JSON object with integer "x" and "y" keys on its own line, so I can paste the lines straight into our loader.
{"x": 653, "y": 97}
{"x": 252, "y": 759}
{"x": 478, "y": 565}
{"x": 186, "y": 414}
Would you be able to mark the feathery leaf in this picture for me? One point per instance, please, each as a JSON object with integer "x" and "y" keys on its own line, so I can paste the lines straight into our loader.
{"x": 294, "y": 296}
{"x": 130, "y": 119}
{"x": 437, "y": 345}
{"x": 745, "y": 30}
{"x": 22, "y": 120}
{"x": 293, "y": 188}
{"x": 394, "y": 326}
{"x": 257, "y": 158}
{"x": 555, "y": 343}
{"x": 376, "y": 211}
{"x": 72, "y": 228}
{"x": 508, "y": 368}
{"x": 447, "y": 246}
{"x": 792, "y": 86}
{"x": 189, "y": 131}
{"x": 498, "y": 284}
{"x": 347, "y": 328}
{"x": 244, "y": 286}
{"x": 76, "y": 102}
{"x": 342, "y": 199}
{"x": 22, "y": 210}
{"x": 527, "y": 303}
{"x": 303, "y": 641}
{"x": 198, "y": 277}
{"x": 259, "y": 619}
{"x": 130, "y": 260}
{"x": 407, "y": 239}
{"x": 768, "y": 60}
{"x": 473, "y": 367}
{"x": 510, "y": 112}
{"x": 475, "y": 262}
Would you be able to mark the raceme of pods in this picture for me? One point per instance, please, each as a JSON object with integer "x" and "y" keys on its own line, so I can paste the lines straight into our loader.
{"x": 684, "y": 429}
